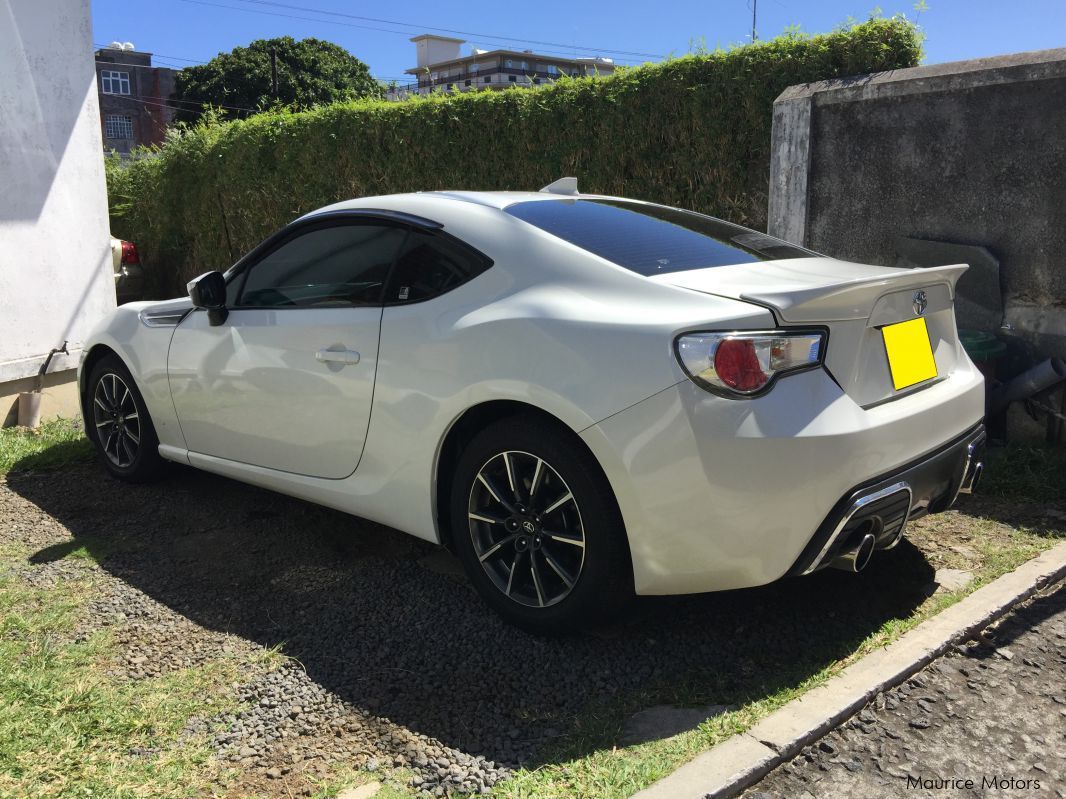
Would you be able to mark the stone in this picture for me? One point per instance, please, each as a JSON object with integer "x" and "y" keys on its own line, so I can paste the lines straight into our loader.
{"x": 952, "y": 579}
{"x": 361, "y": 791}
{"x": 665, "y": 721}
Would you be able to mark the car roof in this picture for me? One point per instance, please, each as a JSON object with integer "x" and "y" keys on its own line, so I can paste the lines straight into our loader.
{"x": 448, "y": 200}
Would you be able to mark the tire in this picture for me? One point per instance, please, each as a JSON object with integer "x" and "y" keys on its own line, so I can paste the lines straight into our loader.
{"x": 119, "y": 426}
{"x": 517, "y": 532}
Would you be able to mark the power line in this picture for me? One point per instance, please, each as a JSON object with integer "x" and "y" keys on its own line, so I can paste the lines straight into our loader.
{"x": 276, "y": 4}
{"x": 482, "y": 40}
{"x": 201, "y": 61}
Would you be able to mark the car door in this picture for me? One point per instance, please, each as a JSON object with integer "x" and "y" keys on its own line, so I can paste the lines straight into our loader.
{"x": 287, "y": 379}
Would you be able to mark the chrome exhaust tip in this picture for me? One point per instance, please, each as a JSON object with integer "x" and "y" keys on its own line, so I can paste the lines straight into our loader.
{"x": 973, "y": 478}
{"x": 855, "y": 558}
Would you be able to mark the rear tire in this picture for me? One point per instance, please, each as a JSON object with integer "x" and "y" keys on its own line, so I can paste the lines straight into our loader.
{"x": 118, "y": 424}
{"x": 537, "y": 528}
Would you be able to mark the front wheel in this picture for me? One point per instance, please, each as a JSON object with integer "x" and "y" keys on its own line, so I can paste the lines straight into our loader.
{"x": 537, "y": 527}
{"x": 119, "y": 425}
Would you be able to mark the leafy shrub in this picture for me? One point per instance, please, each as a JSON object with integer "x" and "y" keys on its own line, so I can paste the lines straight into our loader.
{"x": 691, "y": 131}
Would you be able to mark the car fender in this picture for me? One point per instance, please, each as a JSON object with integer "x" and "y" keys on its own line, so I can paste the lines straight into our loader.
{"x": 143, "y": 350}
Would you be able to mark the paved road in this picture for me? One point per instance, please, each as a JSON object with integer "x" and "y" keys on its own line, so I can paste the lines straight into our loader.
{"x": 986, "y": 720}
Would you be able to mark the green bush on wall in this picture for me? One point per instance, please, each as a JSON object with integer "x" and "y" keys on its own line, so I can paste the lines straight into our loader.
{"x": 691, "y": 131}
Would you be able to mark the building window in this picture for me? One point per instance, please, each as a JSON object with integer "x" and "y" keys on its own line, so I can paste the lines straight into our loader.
{"x": 118, "y": 127}
{"x": 511, "y": 78}
{"x": 466, "y": 83}
{"x": 488, "y": 79}
{"x": 536, "y": 80}
{"x": 114, "y": 82}
{"x": 509, "y": 63}
{"x": 552, "y": 69}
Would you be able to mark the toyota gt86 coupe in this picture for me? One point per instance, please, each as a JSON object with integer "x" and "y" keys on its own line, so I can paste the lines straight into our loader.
{"x": 584, "y": 397}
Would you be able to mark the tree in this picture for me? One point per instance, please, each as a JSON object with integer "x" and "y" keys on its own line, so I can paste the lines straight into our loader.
{"x": 309, "y": 72}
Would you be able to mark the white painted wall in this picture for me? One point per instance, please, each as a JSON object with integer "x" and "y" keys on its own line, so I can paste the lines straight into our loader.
{"x": 434, "y": 49}
{"x": 56, "y": 280}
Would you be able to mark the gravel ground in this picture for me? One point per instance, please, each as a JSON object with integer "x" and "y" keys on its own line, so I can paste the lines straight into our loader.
{"x": 988, "y": 719}
{"x": 393, "y": 661}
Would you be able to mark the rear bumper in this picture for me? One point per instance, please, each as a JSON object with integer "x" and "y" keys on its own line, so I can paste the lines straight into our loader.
{"x": 718, "y": 494}
{"x": 885, "y": 505}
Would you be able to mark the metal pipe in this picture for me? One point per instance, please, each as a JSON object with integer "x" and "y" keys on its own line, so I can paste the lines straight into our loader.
{"x": 39, "y": 382}
{"x": 1041, "y": 377}
{"x": 855, "y": 558}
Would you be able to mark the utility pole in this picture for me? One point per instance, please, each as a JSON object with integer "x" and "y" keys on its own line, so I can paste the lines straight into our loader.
{"x": 274, "y": 72}
{"x": 754, "y": 11}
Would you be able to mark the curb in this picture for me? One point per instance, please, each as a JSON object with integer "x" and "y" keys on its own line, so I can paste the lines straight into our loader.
{"x": 743, "y": 759}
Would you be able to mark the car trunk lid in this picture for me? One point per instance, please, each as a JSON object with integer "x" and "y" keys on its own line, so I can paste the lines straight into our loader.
{"x": 855, "y": 302}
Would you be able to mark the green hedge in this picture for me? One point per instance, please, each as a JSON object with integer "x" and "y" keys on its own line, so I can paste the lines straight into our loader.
{"x": 692, "y": 131}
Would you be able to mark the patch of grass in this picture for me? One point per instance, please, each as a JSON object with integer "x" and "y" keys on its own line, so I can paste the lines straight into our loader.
{"x": 54, "y": 444}
{"x": 1034, "y": 473}
{"x": 67, "y": 728}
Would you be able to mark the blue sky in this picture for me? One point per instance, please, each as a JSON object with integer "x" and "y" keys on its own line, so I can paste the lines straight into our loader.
{"x": 187, "y": 31}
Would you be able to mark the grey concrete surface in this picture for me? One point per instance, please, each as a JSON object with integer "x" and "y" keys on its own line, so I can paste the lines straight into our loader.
{"x": 740, "y": 761}
{"x": 967, "y": 153}
{"x": 988, "y": 719}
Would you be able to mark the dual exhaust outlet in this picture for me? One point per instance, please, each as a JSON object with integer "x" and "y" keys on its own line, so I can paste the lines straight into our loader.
{"x": 855, "y": 555}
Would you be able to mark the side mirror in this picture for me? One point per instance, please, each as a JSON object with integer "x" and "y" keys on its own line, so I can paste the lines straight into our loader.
{"x": 209, "y": 291}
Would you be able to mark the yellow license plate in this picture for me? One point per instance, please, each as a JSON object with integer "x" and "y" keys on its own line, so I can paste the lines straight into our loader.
{"x": 910, "y": 355}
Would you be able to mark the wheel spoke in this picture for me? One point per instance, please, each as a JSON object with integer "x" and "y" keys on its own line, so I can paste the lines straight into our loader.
{"x": 104, "y": 423}
{"x": 563, "y": 575}
{"x": 510, "y": 574}
{"x": 101, "y": 404}
{"x": 124, "y": 441}
{"x": 558, "y": 503}
{"x": 536, "y": 579}
{"x": 537, "y": 473}
{"x": 488, "y": 553}
{"x": 129, "y": 434}
{"x": 510, "y": 476}
{"x": 566, "y": 538}
{"x": 481, "y": 517}
{"x": 495, "y": 494}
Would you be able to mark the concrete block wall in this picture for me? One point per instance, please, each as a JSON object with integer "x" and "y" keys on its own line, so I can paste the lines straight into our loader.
{"x": 967, "y": 153}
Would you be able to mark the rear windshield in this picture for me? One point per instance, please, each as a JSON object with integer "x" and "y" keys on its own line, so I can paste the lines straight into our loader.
{"x": 652, "y": 239}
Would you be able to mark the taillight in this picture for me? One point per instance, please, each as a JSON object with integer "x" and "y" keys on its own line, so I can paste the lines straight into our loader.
{"x": 129, "y": 253}
{"x": 742, "y": 364}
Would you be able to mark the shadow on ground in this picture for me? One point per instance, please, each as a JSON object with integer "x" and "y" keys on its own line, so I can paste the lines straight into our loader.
{"x": 375, "y": 619}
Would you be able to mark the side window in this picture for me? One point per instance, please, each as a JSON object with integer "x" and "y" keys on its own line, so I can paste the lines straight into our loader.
{"x": 431, "y": 265}
{"x": 331, "y": 266}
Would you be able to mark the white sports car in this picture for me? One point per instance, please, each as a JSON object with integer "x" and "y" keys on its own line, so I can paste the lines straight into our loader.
{"x": 584, "y": 397}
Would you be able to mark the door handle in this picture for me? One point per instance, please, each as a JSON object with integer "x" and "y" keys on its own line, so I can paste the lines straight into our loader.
{"x": 346, "y": 357}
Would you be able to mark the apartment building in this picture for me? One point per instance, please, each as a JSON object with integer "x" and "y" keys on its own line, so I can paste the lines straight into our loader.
{"x": 441, "y": 67}
{"x": 134, "y": 97}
